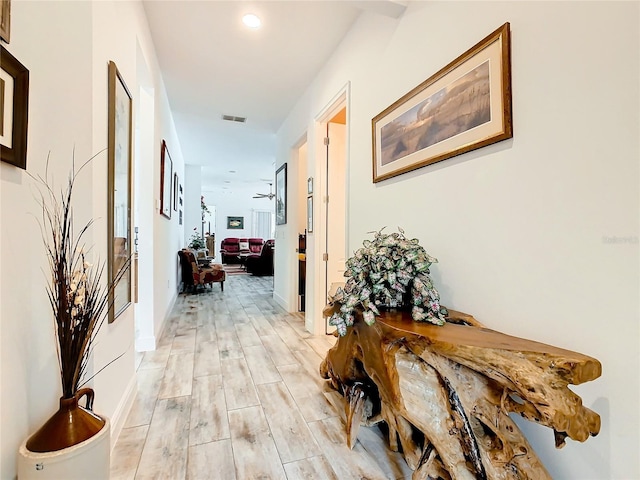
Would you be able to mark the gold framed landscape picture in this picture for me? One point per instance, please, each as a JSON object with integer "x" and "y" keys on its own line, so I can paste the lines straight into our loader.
{"x": 120, "y": 133}
{"x": 464, "y": 106}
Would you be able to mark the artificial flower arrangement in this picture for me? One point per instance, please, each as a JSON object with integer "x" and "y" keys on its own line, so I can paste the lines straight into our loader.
{"x": 389, "y": 271}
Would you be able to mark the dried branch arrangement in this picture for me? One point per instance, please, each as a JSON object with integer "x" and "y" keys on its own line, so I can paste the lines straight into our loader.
{"x": 78, "y": 294}
{"x": 445, "y": 393}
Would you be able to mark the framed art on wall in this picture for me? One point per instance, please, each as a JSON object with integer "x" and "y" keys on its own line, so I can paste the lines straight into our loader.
{"x": 464, "y": 106}
{"x": 5, "y": 20}
{"x": 119, "y": 189}
{"x": 281, "y": 195}
{"x": 309, "y": 185}
{"x": 14, "y": 109}
{"x": 166, "y": 172}
{"x": 175, "y": 192}
{"x": 235, "y": 223}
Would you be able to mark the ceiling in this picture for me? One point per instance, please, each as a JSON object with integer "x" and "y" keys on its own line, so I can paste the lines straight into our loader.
{"x": 213, "y": 65}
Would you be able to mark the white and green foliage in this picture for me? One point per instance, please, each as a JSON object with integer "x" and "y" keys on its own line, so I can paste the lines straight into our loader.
{"x": 389, "y": 271}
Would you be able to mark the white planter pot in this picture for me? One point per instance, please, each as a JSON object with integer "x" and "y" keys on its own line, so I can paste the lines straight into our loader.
{"x": 86, "y": 460}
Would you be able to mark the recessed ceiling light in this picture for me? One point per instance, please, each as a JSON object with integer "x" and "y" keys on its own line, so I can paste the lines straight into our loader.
{"x": 251, "y": 20}
{"x": 232, "y": 171}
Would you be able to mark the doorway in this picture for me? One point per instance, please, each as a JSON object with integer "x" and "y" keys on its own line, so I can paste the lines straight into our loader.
{"x": 335, "y": 241}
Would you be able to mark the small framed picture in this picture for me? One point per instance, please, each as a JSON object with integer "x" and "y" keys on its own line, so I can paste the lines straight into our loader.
{"x": 309, "y": 185}
{"x": 235, "y": 223}
{"x": 175, "y": 192}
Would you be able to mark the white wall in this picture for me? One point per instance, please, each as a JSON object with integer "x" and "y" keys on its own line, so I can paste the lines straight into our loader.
{"x": 30, "y": 385}
{"x": 525, "y": 230}
{"x": 192, "y": 209}
{"x": 66, "y": 47}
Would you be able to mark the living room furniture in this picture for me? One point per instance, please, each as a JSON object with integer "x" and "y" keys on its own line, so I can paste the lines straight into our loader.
{"x": 261, "y": 264}
{"x": 255, "y": 245}
{"x": 194, "y": 274}
{"x": 230, "y": 250}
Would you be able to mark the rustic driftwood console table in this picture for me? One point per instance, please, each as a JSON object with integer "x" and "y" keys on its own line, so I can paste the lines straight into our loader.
{"x": 445, "y": 393}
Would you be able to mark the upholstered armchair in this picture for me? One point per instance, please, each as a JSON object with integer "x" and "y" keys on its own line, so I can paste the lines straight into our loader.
{"x": 255, "y": 245}
{"x": 230, "y": 250}
{"x": 262, "y": 264}
{"x": 194, "y": 274}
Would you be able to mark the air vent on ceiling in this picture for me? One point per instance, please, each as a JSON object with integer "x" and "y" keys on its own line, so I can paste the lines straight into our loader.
{"x": 233, "y": 118}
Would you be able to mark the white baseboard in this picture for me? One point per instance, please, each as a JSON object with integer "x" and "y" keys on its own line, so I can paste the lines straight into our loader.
{"x": 166, "y": 318}
{"x": 122, "y": 411}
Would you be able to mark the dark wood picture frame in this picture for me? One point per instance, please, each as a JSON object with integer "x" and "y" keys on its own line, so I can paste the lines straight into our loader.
{"x": 281, "y": 195}
{"x": 119, "y": 180}
{"x": 14, "y": 96}
{"x": 464, "y": 106}
{"x": 5, "y": 20}
{"x": 166, "y": 172}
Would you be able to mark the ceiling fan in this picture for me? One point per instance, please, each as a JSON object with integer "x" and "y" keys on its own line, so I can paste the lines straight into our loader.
{"x": 266, "y": 195}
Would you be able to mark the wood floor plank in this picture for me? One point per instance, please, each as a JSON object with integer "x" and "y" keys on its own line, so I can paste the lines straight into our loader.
{"x": 209, "y": 420}
{"x": 255, "y": 453}
{"x": 280, "y": 353}
{"x": 178, "y": 376}
{"x": 260, "y": 365}
{"x": 290, "y": 431}
{"x": 156, "y": 358}
{"x": 164, "y": 455}
{"x": 321, "y": 343}
{"x": 247, "y": 335}
{"x": 239, "y": 390}
{"x": 184, "y": 341}
{"x": 211, "y": 460}
{"x": 207, "y": 359}
{"x": 392, "y": 464}
{"x": 316, "y": 468}
{"x": 228, "y": 343}
{"x": 147, "y": 389}
{"x": 290, "y": 337}
{"x": 348, "y": 464}
{"x": 307, "y": 393}
{"x": 126, "y": 453}
{"x": 206, "y": 333}
{"x": 262, "y": 326}
{"x": 310, "y": 361}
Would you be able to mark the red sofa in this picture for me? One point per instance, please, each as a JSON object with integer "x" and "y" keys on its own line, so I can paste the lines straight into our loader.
{"x": 232, "y": 247}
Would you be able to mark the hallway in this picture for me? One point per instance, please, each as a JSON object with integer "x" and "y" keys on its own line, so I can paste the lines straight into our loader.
{"x": 233, "y": 392}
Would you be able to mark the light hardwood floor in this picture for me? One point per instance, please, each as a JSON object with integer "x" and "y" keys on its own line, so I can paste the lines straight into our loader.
{"x": 233, "y": 392}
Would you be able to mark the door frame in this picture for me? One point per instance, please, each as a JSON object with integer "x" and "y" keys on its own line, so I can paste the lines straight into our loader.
{"x": 314, "y": 321}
